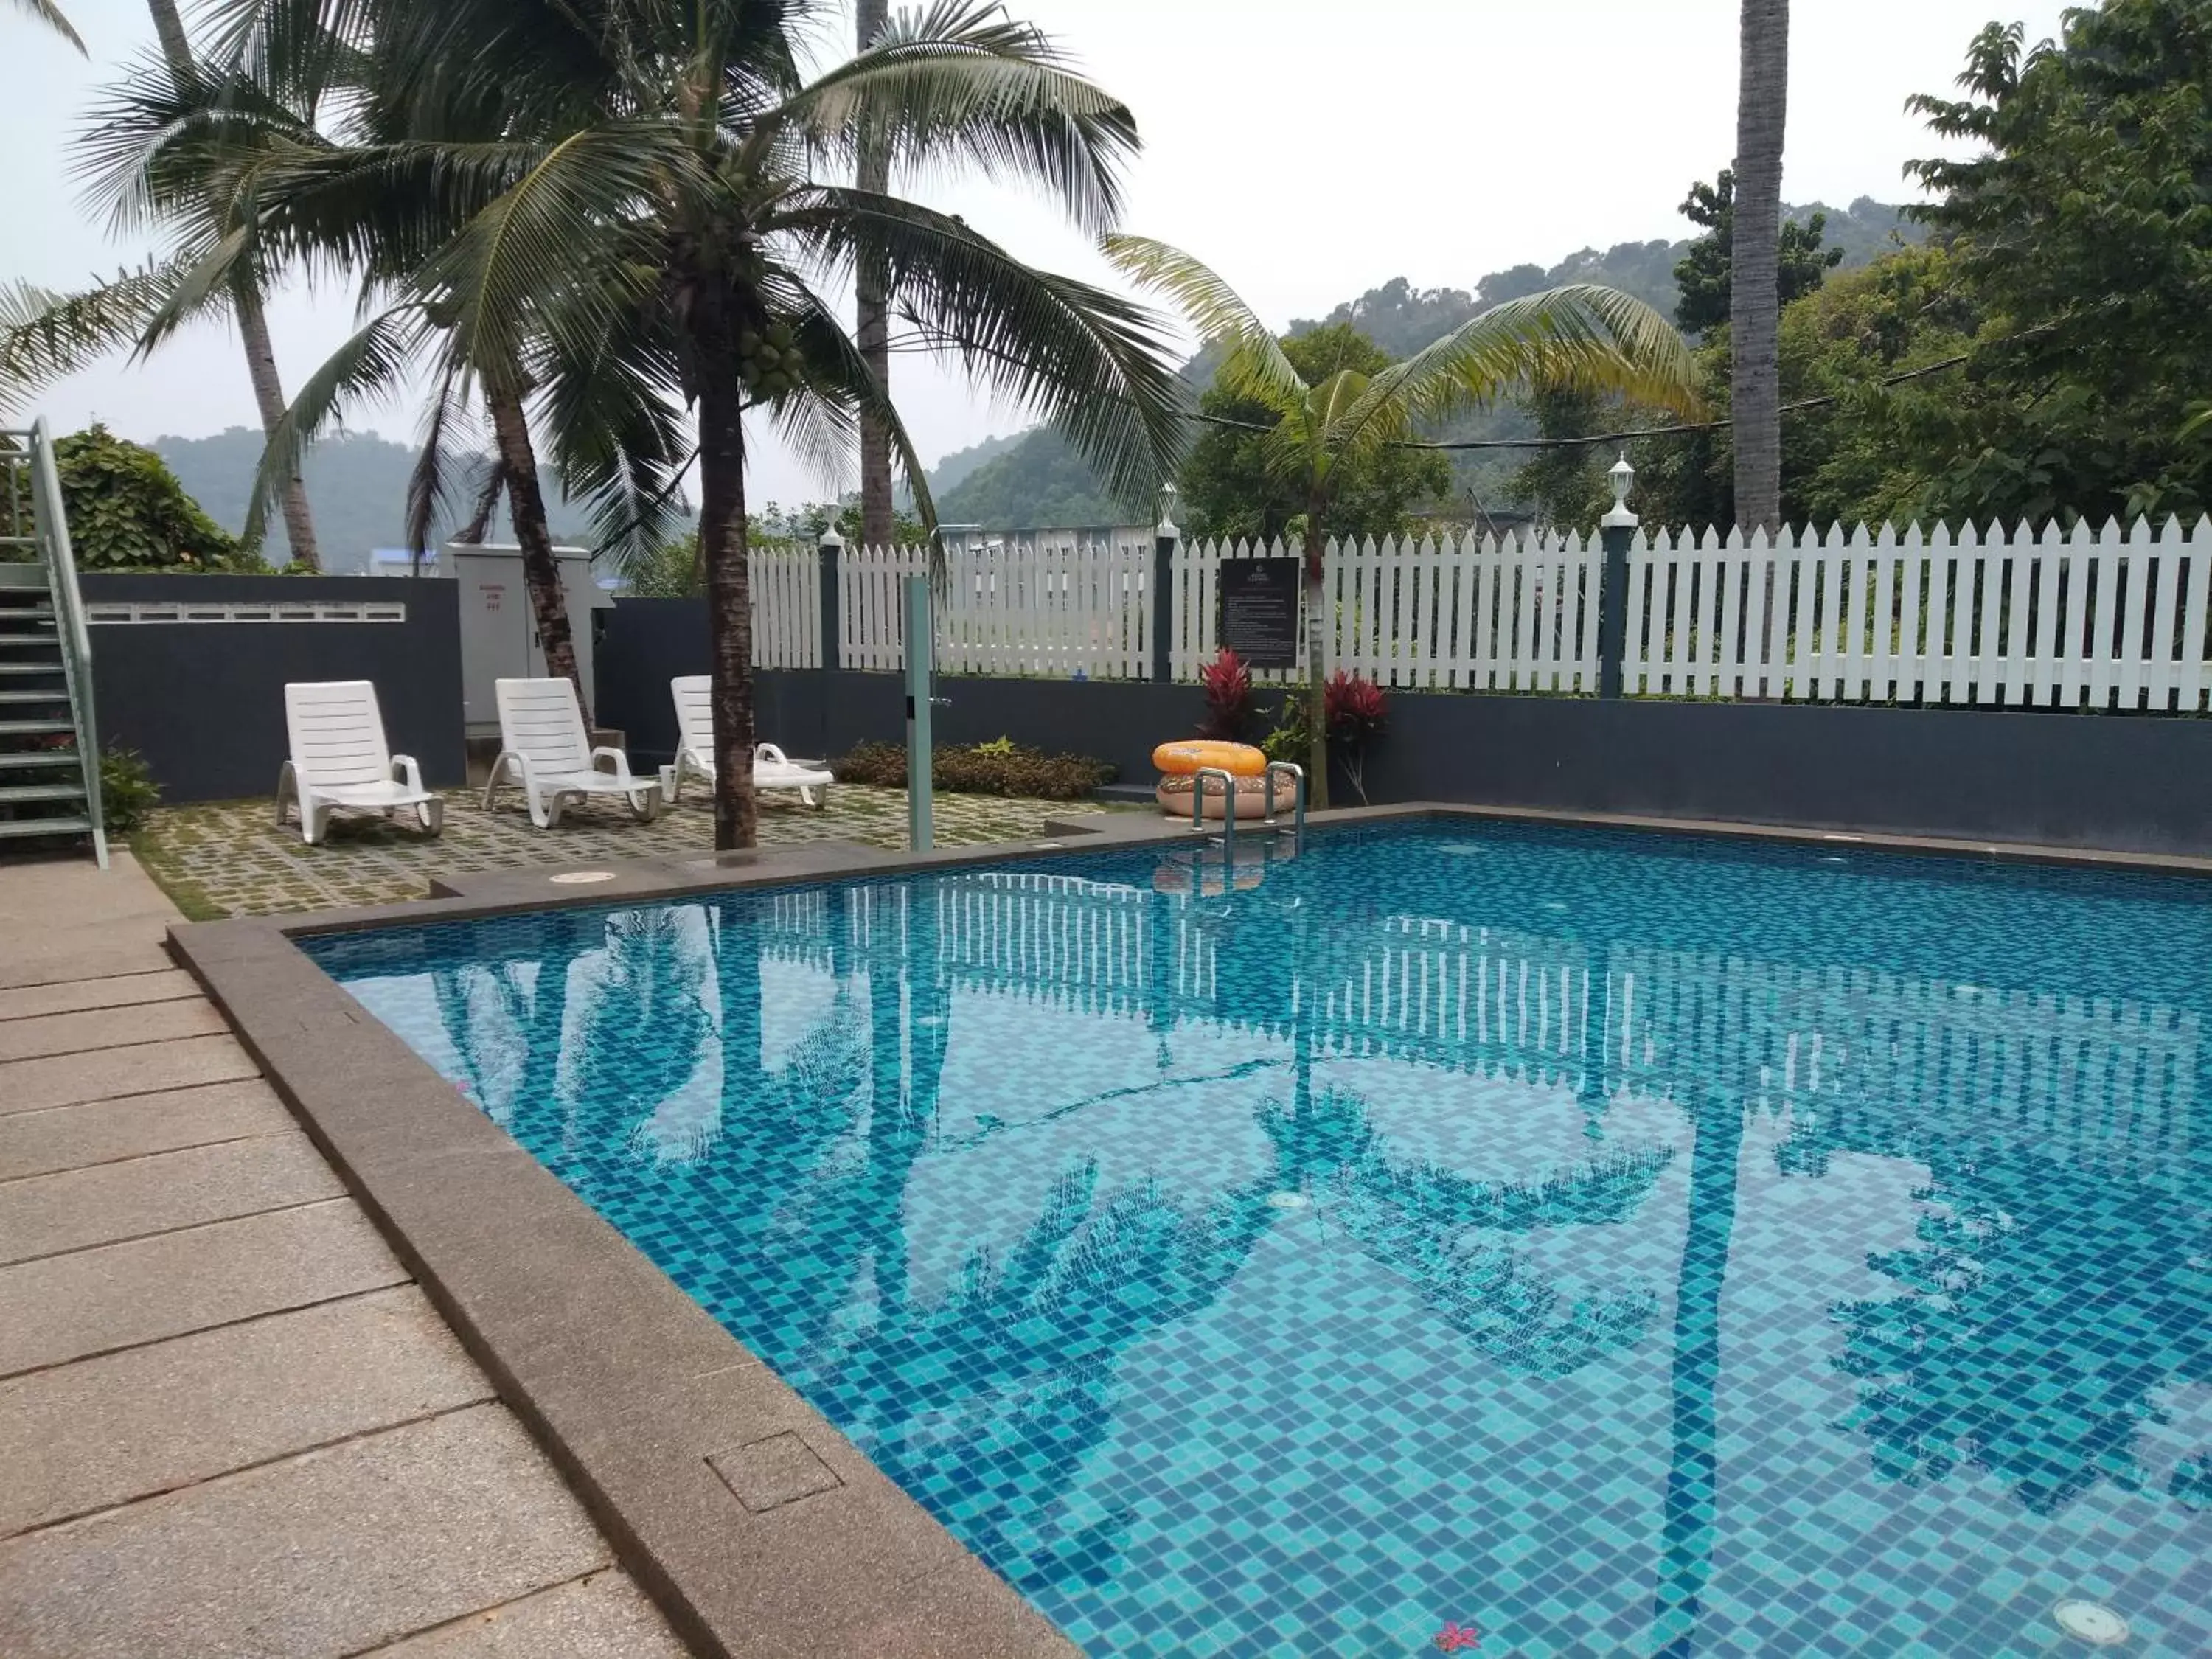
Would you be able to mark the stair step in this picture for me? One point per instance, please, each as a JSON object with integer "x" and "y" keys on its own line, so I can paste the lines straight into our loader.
{"x": 26, "y": 668}
{"x": 34, "y": 728}
{"x": 8, "y": 611}
{"x": 39, "y": 759}
{"x": 20, "y": 792}
{"x": 56, "y": 694}
{"x": 51, "y": 643}
{"x": 22, "y": 828}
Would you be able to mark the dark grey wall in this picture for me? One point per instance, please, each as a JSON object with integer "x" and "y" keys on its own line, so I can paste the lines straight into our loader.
{"x": 2129, "y": 783}
{"x": 2126, "y": 782}
{"x": 204, "y": 701}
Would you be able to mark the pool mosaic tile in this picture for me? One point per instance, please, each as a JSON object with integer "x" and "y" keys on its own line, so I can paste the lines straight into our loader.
{"x": 1492, "y": 1240}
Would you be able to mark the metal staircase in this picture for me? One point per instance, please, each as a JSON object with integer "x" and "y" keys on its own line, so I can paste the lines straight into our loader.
{"x": 49, "y": 744}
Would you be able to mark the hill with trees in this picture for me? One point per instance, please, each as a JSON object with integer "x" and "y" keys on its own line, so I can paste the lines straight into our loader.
{"x": 1029, "y": 481}
{"x": 357, "y": 482}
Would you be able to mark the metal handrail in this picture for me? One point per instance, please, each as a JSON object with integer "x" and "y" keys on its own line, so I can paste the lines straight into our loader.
{"x": 1228, "y": 804}
{"x": 1297, "y": 797}
{"x": 51, "y": 518}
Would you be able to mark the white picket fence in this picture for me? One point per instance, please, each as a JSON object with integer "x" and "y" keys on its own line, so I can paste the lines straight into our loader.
{"x": 2097, "y": 617}
{"x": 1055, "y": 610}
{"x": 2100, "y": 617}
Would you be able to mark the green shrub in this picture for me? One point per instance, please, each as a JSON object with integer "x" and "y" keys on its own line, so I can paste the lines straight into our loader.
{"x": 127, "y": 790}
{"x": 999, "y": 767}
{"x": 127, "y": 511}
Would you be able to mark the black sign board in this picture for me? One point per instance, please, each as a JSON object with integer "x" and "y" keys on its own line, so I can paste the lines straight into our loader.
{"x": 1260, "y": 611}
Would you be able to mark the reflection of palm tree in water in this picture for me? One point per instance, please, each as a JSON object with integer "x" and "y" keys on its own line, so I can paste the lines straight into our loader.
{"x": 645, "y": 1026}
{"x": 1417, "y": 1218}
{"x": 496, "y": 1028}
{"x": 2037, "y": 1321}
{"x": 1035, "y": 1336}
{"x": 1685, "y": 1557}
{"x": 1004, "y": 1380}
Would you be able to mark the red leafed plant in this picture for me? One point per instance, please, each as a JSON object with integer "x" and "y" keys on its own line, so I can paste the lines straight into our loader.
{"x": 1227, "y": 687}
{"x": 1355, "y": 709}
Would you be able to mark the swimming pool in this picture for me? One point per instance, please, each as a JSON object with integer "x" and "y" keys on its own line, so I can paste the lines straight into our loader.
{"x": 1559, "y": 1240}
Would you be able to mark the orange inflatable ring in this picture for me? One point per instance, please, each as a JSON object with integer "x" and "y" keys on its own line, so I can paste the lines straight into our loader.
{"x": 1180, "y": 760}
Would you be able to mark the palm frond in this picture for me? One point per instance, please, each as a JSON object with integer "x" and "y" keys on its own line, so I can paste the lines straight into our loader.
{"x": 835, "y": 370}
{"x": 373, "y": 363}
{"x": 44, "y": 335}
{"x": 384, "y": 210}
{"x": 555, "y": 255}
{"x": 617, "y": 433}
{"x": 430, "y": 481}
{"x": 50, "y": 15}
{"x": 1256, "y": 367}
{"x": 1094, "y": 364}
{"x": 491, "y": 484}
{"x": 959, "y": 84}
{"x": 170, "y": 140}
{"x": 1582, "y": 335}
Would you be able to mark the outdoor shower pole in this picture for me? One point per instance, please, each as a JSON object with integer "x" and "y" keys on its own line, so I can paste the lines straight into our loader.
{"x": 1165, "y": 536}
{"x": 921, "y": 631}
{"x": 1616, "y": 530}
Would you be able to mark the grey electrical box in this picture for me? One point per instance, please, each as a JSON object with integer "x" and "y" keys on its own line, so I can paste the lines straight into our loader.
{"x": 499, "y": 633}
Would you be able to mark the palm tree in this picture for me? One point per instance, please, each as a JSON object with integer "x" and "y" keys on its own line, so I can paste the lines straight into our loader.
{"x": 50, "y": 15}
{"x": 176, "y": 148}
{"x": 1755, "y": 260}
{"x": 661, "y": 228}
{"x": 1581, "y": 336}
{"x": 245, "y": 297}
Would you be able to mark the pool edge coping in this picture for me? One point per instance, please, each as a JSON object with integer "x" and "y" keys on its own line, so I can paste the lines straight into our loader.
{"x": 628, "y": 1384}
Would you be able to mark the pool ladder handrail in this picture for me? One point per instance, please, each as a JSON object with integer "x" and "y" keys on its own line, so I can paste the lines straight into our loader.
{"x": 1298, "y": 796}
{"x": 1229, "y": 801}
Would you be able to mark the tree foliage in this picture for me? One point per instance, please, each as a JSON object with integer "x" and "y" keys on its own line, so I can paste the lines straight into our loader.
{"x": 1863, "y": 456}
{"x": 2048, "y": 354}
{"x": 2082, "y": 228}
{"x": 1231, "y": 486}
{"x": 1701, "y": 275}
{"x": 127, "y": 512}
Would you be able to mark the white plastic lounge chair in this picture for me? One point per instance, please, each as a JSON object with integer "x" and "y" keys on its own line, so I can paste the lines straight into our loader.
{"x": 694, "y": 750}
{"x": 339, "y": 758}
{"x": 543, "y": 747}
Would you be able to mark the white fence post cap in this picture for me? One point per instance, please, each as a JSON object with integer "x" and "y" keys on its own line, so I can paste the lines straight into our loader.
{"x": 1621, "y": 477}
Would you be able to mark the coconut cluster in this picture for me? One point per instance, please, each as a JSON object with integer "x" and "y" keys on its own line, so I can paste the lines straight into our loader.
{"x": 770, "y": 363}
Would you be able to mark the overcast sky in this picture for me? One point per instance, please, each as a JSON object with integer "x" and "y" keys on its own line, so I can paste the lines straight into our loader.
{"x": 1308, "y": 151}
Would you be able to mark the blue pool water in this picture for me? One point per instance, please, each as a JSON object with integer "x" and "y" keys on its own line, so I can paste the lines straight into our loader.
{"x": 1592, "y": 1241}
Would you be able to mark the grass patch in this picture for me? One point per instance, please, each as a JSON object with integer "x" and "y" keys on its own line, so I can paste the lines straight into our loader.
{"x": 188, "y": 896}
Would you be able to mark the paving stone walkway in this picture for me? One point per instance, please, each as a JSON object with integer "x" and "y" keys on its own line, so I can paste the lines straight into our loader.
{"x": 231, "y": 859}
{"x": 229, "y": 1424}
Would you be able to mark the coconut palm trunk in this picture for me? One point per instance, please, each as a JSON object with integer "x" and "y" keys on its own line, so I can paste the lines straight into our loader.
{"x": 872, "y": 320}
{"x": 268, "y": 400}
{"x": 169, "y": 28}
{"x": 252, "y": 327}
{"x": 541, "y": 570}
{"x": 723, "y": 547}
{"x": 1755, "y": 299}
